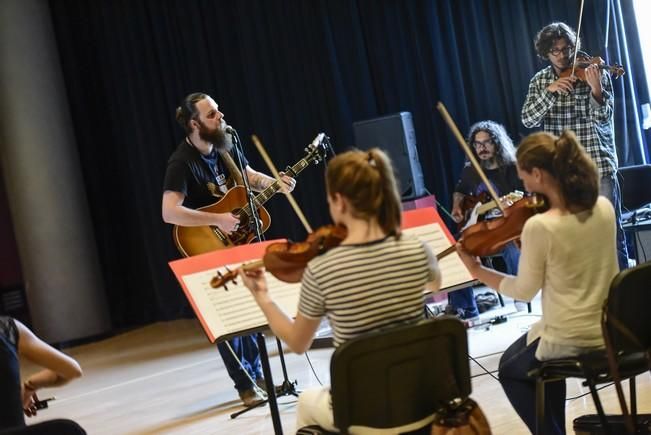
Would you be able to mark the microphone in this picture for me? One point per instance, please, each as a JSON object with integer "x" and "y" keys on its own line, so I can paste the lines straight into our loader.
{"x": 230, "y": 130}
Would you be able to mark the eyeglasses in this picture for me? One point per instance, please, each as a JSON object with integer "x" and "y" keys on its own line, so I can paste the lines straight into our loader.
{"x": 486, "y": 143}
{"x": 566, "y": 50}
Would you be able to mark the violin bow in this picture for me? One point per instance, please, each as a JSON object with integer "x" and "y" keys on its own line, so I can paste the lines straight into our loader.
{"x": 276, "y": 175}
{"x": 457, "y": 134}
{"x": 578, "y": 39}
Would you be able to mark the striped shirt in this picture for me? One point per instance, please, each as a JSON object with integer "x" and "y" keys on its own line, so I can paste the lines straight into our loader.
{"x": 578, "y": 111}
{"x": 370, "y": 286}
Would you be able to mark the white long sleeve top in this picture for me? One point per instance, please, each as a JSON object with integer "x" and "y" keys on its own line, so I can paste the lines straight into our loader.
{"x": 572, "y": 259}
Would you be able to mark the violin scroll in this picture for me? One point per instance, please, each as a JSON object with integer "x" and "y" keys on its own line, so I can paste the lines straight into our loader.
{"x": 221, "y": 279}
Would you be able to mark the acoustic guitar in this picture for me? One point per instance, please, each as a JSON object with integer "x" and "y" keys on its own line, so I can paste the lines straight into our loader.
{"x": 198, "y": 240}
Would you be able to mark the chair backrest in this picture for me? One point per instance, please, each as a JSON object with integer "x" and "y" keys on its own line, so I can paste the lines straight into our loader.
{"x": 627, "y": 309}
{"x": 400, "y": 375}
{"x": 635, "y": 186}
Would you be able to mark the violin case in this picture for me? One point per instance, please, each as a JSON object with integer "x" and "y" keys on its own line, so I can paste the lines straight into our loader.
{"x": 591, "y": 425}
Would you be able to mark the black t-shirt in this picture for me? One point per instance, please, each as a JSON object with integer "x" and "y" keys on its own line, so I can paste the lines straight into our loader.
{"x": 504, "y": 180}
{"x": 11, "y": 410}
{"x": 202, "y": 179}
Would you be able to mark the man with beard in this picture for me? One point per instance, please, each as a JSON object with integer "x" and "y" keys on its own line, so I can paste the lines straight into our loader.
{"x": 587, "y": 108}
{"x": 199, "y": 172}
{"x": 494, "y": 150}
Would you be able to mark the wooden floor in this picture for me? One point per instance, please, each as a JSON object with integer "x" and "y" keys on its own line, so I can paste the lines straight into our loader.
{"x": 167, "y": 378}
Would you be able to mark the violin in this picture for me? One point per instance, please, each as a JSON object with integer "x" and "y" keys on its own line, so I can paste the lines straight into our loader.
{"x": 583, "y": 61}
{"x": 490, "y": 237}
{"x": 287, "y": 260}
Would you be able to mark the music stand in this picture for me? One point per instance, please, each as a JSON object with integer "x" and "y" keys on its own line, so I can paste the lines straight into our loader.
{"x": 287, "y": 387}
{"x": 224, "y": 314}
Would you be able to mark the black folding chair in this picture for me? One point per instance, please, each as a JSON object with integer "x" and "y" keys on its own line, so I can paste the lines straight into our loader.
{"x": 399, "y": 377}
{"x": 627, "y": 306}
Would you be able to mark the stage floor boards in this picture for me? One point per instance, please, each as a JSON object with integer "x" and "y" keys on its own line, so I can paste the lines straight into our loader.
{"x": 166, "y": 378}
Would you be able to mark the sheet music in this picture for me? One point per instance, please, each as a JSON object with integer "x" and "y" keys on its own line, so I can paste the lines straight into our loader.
{"x": 453, "y": 271}
{"x": 224, "y": 313}
{"x": 230, "y": 311}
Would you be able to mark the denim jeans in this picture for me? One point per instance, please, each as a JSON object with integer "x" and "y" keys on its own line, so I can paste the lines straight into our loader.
{"x": 246, "y": 349}
{"x": 511, "y": 255}
{"x": 609, "y": 187}
{"x": 520, "y": 389}
{"x": 464, "y": 299}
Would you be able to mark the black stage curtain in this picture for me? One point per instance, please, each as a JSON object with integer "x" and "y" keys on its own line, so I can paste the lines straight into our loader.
{"x": 286, "y": 70}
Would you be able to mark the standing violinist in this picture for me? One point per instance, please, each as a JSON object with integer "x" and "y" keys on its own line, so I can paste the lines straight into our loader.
{"x": 374, "y": 279}
{"x": 494, "y": 150}
{"x": 563, "y": 259}
{"x": 556, "y": 101}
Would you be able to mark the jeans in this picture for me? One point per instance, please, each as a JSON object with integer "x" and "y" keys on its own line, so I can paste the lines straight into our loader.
{"x": 511, "y": 255}
{"x": 609, "y": 187}
{"x": 464, "y": 299}
{"x": 246, "y": 349}
{"x": 520, "y": 389}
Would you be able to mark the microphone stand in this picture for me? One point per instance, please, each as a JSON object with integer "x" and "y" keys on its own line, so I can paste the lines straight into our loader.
{"x": 287, "y": 387}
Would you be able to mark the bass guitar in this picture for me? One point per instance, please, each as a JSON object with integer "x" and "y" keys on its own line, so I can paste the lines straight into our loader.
{"x": 480, "y": 207}
{"x": 198, "y": 240}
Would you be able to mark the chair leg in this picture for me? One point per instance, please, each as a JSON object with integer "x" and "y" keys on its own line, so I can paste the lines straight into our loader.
{"x": 600, "y": 408}
{"x": 540, "y": 406}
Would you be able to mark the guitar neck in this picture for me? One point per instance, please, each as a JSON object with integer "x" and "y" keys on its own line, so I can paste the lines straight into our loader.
{"x": 270, "y": 191}
{"x": 485, "y": 207}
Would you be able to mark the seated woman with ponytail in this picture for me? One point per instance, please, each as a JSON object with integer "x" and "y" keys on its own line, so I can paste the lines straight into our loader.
{"x": 568, "y": 252}
{"x": 373, "y": 280}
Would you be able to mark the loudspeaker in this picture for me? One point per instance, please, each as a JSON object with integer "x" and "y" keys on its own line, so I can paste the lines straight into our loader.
{"x": 396, "y": 136}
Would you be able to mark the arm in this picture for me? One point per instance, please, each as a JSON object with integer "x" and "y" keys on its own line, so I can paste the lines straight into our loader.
{"x": 490, "y": 277}
{"x": 297, "y": 333}
{"x": 174, "y": 212}
{"x": 59, "y": 368}
{"x": 531, "y": 268}
{"x": 601, "y": 104}
{"x": 260, "y": 181}
{"x": 537, "y": 103}
{"x": 457, "y": 213}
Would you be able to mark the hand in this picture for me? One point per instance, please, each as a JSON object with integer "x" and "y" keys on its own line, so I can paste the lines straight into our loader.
{"x": 457, "y": 214}
{"x": 287, "y": 183}
{"x": 470, "y": 261}
{"x": 564, "y": 85}
{"x": 29, "y": 401}
{"x": 227, "y": 222}
{"x": 593, "y": 78}
{"x": 255, "y": 281}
